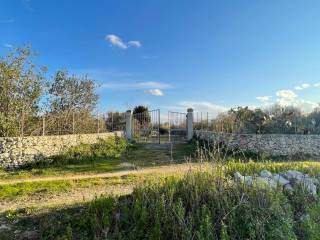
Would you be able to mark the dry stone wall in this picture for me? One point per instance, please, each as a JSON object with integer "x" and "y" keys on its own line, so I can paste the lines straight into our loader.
{"x": 17, "y": 151}
{"x": 271, "y": 144}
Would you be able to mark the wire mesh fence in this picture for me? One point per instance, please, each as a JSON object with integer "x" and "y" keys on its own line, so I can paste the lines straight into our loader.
{"x": 241, "y": 121}
{"x": 146, "y": 126}
{"x": 70, "y": 122}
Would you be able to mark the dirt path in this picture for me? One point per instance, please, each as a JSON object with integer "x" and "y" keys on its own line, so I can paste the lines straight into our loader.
{"x": 147, "y": 170}
{"x": 80, "y": 195}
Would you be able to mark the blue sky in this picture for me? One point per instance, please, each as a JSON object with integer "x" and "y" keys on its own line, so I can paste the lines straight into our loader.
{"x": 210, "y": 55}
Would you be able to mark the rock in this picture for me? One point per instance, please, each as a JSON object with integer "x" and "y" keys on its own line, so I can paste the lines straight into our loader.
{"x": 264, "y": 181}
{"x": 265, "y": 174}
{"x": 29, "y": 235}
{"x": 238, "y": 177}
{"x": 288, "y": 188}
{"x": 309, "y": 185}
{"x": 248, "y": 180}
{"x": 280, "y": 180}
{"x": 293, "y": 175}
{"x": 5, "y": 227}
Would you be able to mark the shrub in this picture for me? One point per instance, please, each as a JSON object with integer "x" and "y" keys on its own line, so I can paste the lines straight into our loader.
{"x": 105, "y": 148}
{"x": 199, "y": 206}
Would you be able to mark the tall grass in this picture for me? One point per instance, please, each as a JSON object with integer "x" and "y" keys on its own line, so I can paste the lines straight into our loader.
{"x": 201, "y": 205}
{"x": 112, "y": 147}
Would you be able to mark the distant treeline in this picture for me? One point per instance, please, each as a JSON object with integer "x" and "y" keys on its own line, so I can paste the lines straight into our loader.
{"x": 32, "y": 103}
{"x": 274, "y": 120}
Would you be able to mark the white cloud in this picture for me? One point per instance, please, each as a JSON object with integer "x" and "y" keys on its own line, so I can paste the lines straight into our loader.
{"x": 303, "y": 86}
{"x": 305, "y": 105}
{"x": 287, "y": 94}
{"x": 155, "y": 92}
{"x": 264, "y": 98}
{"x": 136, "y": 85}
{"x": 135, "y": 43}
{"x": 316, "y": 84}
{"x": 203, "y": 106}
{"x": 7, "y": 45}
{"x": 116, "y": 41}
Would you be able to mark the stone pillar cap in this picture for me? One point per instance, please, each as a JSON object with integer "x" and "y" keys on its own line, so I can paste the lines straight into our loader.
{"x": 190, "y": 110}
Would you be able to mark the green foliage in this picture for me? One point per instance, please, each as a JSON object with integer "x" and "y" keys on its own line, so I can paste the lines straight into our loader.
{"x": 72, "y": 92}
{"x": 275, "y": 120}
{"x": 198, "y": 206}
{"x": 21, "y": 87}
{"x": 10, "y": 191}
{"x": 112, "y": 147}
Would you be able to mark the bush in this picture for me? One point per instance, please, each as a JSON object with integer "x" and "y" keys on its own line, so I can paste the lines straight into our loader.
{"x": 105, "y": 148}
{"x": 199, "y": 206}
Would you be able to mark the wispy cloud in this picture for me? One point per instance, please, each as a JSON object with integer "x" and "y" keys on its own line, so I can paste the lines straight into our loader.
{"x": 264, "y": 98}
{"x": 303, "y": 86}
{"x": 9, "y": 20}
{"x": 116, "y": 41}
{"x": 135, "y": 43}
{"x": 154, "y": 92}
{"x": 316, "y": 84}
{"x": 27, "y": 4}
{"x": 305, "y": 105}
{"x": 136, "y": 85}
{"x": 203, "y": 106}
{"x": 288, "y": 94}
{"x": 7, "y": 45}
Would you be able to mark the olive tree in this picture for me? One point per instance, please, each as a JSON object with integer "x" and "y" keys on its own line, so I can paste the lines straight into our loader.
{"x": 72, "y": 100}
{"x": 21, "y": 87}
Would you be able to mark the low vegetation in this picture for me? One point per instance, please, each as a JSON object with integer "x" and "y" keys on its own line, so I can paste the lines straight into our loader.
{"x": 200, "y": 205}
{"x": 205, "y": 203}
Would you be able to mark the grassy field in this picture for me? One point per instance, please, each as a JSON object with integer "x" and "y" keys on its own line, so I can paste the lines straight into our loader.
{"x": 137, "y": 155}
{"x": 158, "y": 205}
{"x": 99, "y": 197}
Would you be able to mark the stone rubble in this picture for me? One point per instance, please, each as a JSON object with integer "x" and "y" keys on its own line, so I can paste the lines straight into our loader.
{"x": 287, "y": 180}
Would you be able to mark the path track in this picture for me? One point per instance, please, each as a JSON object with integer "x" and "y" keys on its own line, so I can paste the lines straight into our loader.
{"x": 81, "y": 195}
{"x": 146, "y": 170}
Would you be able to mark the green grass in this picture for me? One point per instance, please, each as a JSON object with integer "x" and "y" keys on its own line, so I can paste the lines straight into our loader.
{"x": 97, "y": 165}
{"x": 29, "y": 189}
{"x": 66, "y": 166}
{"x": 200, "y": 205}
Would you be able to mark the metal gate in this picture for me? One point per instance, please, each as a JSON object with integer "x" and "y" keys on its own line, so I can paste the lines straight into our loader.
{"x": 146, "y": 126}
{"x": 177, "y": 126}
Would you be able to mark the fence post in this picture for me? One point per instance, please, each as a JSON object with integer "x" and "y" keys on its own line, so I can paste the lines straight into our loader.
{"x": 190, "y": 124}
{"x": 128, "y": 132}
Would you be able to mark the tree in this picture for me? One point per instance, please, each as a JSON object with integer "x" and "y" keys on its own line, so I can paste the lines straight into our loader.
{"x": 141, "y": 114}
{"x": 115, "y": 121}
{"x": 21, "y": 87}
{"x": 285, "y": 120}
{"x": 140, "y": 109}
{"x": 72, "y": 98}
{"x": 72, "y": 93}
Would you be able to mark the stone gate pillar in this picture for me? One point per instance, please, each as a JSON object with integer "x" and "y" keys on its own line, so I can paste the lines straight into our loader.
{"x": 128, "y": 132}
{"x": 190, "y": 124}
